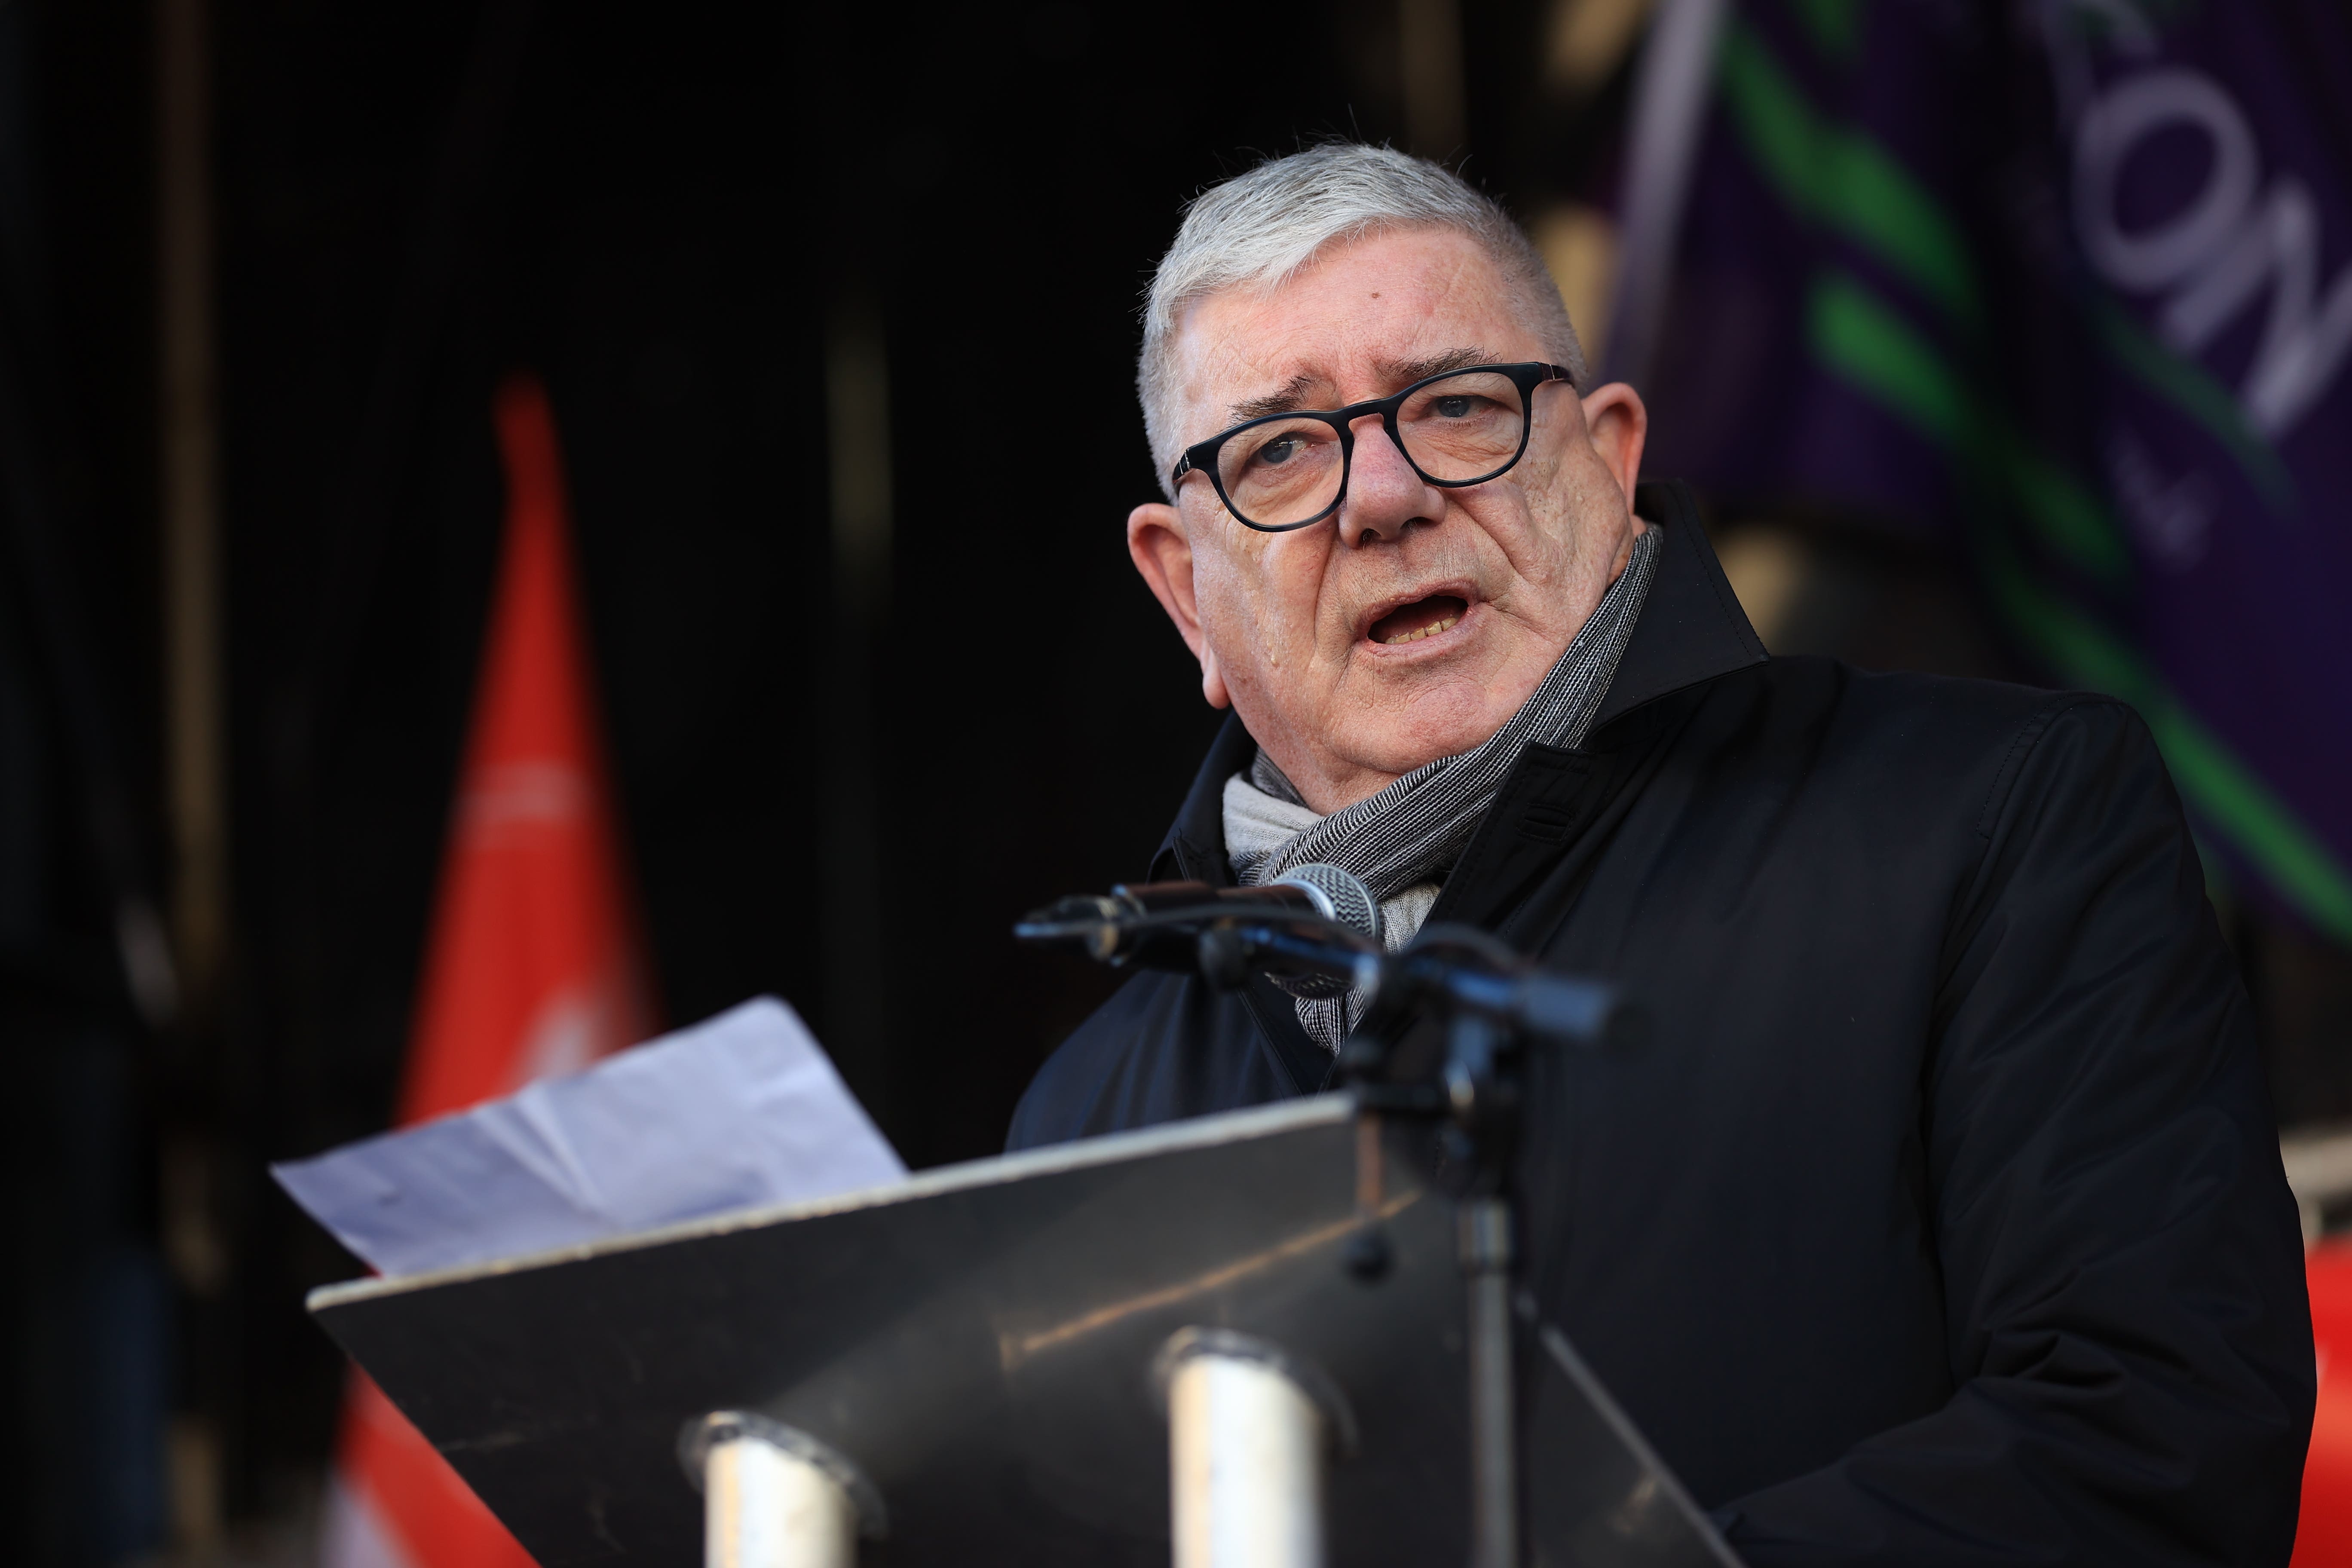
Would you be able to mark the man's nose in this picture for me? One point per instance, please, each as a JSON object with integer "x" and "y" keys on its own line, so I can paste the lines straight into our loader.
{"x": 1385, "y": 496}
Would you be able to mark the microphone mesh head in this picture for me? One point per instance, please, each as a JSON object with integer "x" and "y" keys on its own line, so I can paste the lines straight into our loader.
{"x": 1339, "y": 896}
{"x": 1342, "y": 896}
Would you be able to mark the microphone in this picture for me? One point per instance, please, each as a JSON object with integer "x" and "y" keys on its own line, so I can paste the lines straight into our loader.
{"x": 1316, "y": 932}
{"x": 1154, "y": 923}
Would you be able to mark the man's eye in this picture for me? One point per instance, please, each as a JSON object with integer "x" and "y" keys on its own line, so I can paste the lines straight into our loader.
{"x": 1457, "y": 407}
{"x": 1281, "y": 449}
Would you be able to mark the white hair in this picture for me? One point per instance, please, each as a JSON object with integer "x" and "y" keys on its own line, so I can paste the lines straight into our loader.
{"x": 1257, "y": 230}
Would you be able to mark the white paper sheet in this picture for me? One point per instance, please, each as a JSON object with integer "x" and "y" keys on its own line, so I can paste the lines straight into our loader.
{"x": 740, "y": 1111}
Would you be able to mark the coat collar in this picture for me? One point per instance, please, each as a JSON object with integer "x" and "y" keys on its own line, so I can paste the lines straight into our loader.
{"x": 1691, "y": 629}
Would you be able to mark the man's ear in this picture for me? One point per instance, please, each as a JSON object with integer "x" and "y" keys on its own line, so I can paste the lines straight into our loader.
{"x": 1619, "y": 425}
{"x": 1163, "y": 554}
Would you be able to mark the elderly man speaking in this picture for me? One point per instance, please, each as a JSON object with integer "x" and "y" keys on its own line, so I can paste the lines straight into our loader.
{"x": 1941, "y": 1219}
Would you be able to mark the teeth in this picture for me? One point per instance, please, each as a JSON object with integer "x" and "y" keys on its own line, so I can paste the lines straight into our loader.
{"x": 1447, "y": 625}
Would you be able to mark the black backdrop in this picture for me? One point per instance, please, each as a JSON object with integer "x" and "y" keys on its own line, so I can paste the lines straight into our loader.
{"x": 662, "y": 211}
{"x": 659, "y": 210}
{"x": 657, "y": 217}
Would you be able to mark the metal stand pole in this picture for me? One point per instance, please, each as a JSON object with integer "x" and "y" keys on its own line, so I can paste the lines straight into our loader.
{"x": 774, "y": 1496}
{"x": 1245, "y": 1449}
{"x": 1493, "y": 1003}
{"x": 1481, "y": 1076}
{"x": 1485, "y": 1243}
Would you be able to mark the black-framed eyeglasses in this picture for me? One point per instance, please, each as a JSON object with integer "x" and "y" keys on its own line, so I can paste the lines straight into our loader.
{"x": 1289, "y": 470}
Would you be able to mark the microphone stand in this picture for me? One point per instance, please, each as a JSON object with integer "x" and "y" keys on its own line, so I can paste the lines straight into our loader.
{"x": 1491, "y": 1005}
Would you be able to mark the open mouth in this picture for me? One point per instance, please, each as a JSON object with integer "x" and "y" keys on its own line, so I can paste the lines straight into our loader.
{"x": 1422, "y": 618}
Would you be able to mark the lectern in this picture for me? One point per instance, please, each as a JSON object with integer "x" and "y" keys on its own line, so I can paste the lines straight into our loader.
{"x": 1101, "y": 1353}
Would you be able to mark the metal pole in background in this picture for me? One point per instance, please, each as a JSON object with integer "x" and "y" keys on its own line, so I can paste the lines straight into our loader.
{"x": 857, "y": 430}
{"x": 195, "y": 769}
{"x": 1670, "y": 101}
{"x": 1429, "y": 69}
{"x": 188, "y": 468}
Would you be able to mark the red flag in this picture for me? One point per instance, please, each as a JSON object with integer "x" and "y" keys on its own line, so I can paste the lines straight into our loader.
{"x": 2325, "y": 1535}
{"x": 534, "y": 966}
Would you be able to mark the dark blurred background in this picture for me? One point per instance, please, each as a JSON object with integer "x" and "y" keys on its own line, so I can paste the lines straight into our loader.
{"x": 262, "y": 263}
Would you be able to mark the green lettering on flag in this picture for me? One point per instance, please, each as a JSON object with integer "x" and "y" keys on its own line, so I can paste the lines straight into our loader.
{"x": 2221, "y": 788}
{"x": 1863, "y": 339}
{"x": 1844, "y": 179}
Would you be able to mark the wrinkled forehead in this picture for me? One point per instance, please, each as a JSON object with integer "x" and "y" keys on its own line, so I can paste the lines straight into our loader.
{"x": 1357, "y": 321}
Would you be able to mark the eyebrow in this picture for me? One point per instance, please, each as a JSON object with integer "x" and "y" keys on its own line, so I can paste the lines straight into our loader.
{"x": 1292, "y": 396}
{"x": 1404, "y": 372}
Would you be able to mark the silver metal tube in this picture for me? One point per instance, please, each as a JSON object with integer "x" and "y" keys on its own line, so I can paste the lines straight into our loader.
{"x": 1486, "y": 1237}
{"x": 764, "y": 1507}
{"x": 1670, "y": 104}
{"x": 774, "y": 1497}
{"x": 1245, "y": 1449}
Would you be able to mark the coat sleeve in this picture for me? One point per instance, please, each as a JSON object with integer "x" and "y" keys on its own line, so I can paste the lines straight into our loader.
{"x": 2123, "y": 1276}
{"x": 1163, "y": 1047}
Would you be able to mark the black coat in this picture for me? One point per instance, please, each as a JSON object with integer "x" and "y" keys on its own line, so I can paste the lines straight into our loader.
{"x": 1941, "y": 1219}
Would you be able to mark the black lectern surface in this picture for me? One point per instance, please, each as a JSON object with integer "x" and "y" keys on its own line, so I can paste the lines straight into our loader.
{"x": 979, "y": 1341}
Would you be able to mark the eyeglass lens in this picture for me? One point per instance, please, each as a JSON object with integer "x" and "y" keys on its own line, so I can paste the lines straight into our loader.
{"x": 1459, "y": 430}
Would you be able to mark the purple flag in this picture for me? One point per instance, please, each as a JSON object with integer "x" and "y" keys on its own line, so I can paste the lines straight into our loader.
{"x": 2071, "y": 283}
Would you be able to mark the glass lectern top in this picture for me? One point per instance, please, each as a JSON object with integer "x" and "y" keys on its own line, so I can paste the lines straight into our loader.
{"x": 979, "y": 1341}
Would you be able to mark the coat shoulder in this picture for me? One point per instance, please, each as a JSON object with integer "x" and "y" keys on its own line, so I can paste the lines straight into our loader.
{"x": 1971, "y": 733}
{"x": 1981, "y": 708}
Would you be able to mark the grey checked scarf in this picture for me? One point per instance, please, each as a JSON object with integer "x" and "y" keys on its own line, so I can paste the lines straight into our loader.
{"x": 1403, "y": 840}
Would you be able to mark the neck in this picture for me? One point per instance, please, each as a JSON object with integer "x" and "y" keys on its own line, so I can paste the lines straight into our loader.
{"x": 1336, "y": 789}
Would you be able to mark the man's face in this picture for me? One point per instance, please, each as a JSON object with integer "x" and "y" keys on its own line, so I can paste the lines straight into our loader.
{"x": 1415, "y": 624}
